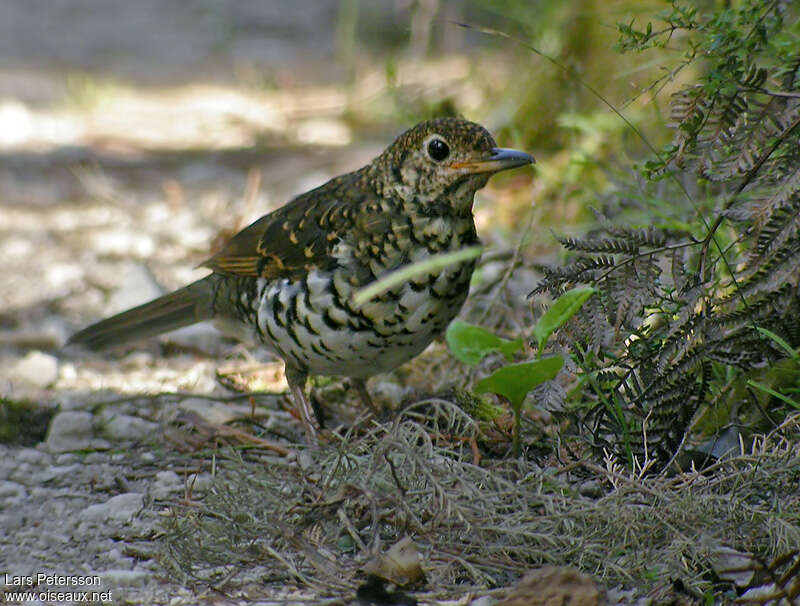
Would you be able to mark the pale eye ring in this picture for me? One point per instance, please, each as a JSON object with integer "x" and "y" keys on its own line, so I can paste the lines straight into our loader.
{"x": 438, "y": 149}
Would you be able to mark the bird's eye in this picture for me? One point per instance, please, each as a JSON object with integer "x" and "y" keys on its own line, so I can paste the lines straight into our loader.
{"x": 438, "y": 149}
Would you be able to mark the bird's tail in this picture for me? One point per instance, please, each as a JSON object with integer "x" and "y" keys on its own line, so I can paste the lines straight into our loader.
{"x": 183, "y": 307}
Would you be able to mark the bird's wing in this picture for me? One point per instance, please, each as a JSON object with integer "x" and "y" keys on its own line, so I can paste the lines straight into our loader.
{"x": 300, "y": 236}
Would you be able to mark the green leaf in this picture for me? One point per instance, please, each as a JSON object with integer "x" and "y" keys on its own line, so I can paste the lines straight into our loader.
{"x": 516, "y": 380}
{"x": 471, "y": 344}
{"x": 562, "y": 310}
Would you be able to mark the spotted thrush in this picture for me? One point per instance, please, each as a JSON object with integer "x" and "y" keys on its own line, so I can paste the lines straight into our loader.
{"x": 291, "y": 275}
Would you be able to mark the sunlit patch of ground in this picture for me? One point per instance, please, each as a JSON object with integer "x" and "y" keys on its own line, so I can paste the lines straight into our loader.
{"x": 124, "y": 120}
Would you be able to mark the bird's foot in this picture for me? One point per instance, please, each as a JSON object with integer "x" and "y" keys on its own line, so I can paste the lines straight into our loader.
{"x": 363, "y": 393}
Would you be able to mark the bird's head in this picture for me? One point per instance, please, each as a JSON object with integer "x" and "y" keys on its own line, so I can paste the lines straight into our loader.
{"x": 444, "y": 161}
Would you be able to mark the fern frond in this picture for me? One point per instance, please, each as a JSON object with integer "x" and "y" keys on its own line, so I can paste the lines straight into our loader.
{"x": 751, "y": 136}
{"x": 650, "y": 237}
{"x": 602, "y": 245}
{"x": 773, "y": 196}
{"x": 772, "y": 272}
{"x": 579, "y": 270}
{"x": 782, "y": 227}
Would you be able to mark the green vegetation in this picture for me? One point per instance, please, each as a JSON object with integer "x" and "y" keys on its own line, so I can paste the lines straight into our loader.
{"x": 22, "y": 423}
{"x": 514, "y": 382}
{"x": 695, "y": 251}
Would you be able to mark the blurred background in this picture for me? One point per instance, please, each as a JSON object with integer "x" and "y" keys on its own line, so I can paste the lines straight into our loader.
{"x": 136, "y": 136}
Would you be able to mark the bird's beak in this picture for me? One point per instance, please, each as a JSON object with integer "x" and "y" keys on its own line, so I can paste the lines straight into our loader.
{"x": 498, "y": 159}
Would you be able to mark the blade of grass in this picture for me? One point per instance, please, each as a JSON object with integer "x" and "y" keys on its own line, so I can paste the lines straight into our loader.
{"x": 774, "y": 394}
{"x": 771, "y": 335}
{"x": 408, "y": 272}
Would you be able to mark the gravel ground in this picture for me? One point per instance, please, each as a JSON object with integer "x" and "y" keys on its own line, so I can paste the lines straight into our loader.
{"x": 90, "y": 516}
{"x": 108, "y": 221}
{"x": 133, "y": 140}
{"x": 85, "y": 498}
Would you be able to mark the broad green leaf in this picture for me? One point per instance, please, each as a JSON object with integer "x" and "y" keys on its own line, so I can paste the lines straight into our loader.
{"x": 562, "y": 310}
{"x": 516, "y": 380}
{"x": 471, "y": 344}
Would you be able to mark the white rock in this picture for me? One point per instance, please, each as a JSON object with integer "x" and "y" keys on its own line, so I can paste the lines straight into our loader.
{"x": 94, "y": 458}
{"x": 116, "y": 577}
{"x": 52, "y": 472}
{"x": 32, "y": 456}
{"x": 12, "y": 490}
{"x": 21, "y": 472}
{"x": 70, "y": 430}
{"x": 214, "y": 412}
{"x": 120, "y": 508}
{"x": 167, "y": 482}
{"x": 127, "y": 427}
{"x": 115, "y": 555}
{"x": 168, "y": 477}
{"x": 37, "y": 368}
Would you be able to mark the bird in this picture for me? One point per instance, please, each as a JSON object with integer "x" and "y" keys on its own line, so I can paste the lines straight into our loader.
{"x": 290, "y": 276}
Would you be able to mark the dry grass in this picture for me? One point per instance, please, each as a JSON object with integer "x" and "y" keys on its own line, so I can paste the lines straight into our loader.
{"x": 313, "y": 521}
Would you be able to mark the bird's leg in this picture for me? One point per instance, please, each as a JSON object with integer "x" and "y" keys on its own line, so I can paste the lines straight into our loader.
{"x": 361, "y": 388}
{"x": 297, "y": 382}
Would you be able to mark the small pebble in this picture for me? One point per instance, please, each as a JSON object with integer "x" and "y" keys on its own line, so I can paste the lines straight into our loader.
{"x": 12, "y": 490}
{"x": 120, "y": 508}
{"x": 167, "y": 482}
{"x": 214, "y": 412}
{"x": 32, "y": 456}
{"x": 127, "y": 427}
{"x": 116, "y": 577}
{"x": 37, "y": 369}
{"x": 70, "y": 430}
